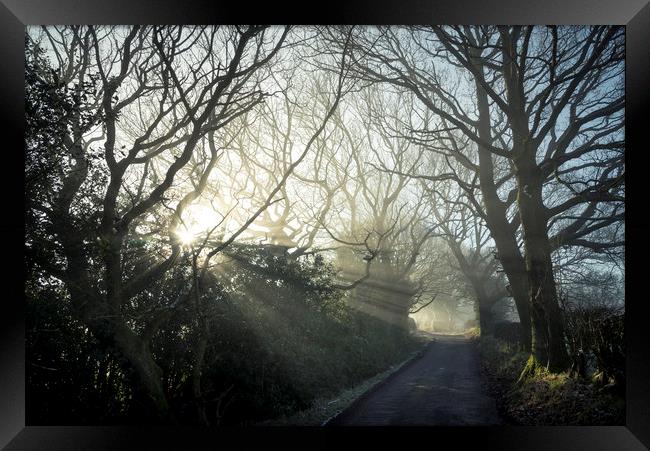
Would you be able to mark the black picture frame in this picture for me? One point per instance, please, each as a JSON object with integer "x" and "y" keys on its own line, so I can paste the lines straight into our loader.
{"x": 16, "y": 14}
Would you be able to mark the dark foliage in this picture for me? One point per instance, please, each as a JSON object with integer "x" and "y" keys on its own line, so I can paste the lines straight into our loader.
{"x": 280, "y": 336}
{"x": 51, "y": 106}
{"x": 69, "y": 376}
{"x": 509, "y": 332}
{"x": 596, "y": 344}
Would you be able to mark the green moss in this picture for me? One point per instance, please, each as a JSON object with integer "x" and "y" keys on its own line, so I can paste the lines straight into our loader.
{"x": 558, "y": 381}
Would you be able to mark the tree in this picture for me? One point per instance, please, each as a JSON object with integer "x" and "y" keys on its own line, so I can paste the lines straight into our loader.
{"x": 466, "y": 236}
{"x": 546, "y": 101}
{"x": 378, "y": 218}
{"x": 159, "y": 96}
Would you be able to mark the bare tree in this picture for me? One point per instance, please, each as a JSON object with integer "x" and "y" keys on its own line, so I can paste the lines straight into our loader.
{"x": 165, "y": 96}
{"x": 543, "y": 98}
{"x": 377, "y": 216}
{"x": 469, "y": 241}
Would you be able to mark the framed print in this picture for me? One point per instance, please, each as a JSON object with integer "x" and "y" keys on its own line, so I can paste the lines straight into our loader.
{"x": 410, "y": 216}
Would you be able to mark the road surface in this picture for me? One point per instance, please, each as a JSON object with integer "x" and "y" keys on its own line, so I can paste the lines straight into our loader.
{"x": 444, "y": 387}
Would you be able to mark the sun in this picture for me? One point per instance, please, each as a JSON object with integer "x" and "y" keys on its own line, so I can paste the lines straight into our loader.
{"x": 197, "y": 220}
{"x": 186, "y": 237}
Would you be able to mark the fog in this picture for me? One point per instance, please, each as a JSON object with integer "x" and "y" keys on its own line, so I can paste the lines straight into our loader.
{"x": 221, "y": 211}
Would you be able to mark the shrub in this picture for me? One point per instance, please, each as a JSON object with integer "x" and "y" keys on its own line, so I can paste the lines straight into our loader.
{"x": 509, "y": 332}
{"x": 596, "y": 343}
{"x": 280, "y": 336}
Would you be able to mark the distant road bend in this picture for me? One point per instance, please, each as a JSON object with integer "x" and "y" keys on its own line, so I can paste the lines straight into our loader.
{"x": 444, "y": 387}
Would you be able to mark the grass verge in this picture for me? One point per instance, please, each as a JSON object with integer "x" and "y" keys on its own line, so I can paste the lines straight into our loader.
{"x": 324, "y": 409}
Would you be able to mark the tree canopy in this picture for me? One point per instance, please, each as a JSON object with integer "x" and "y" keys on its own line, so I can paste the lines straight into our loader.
{"x": 184, "y": 183}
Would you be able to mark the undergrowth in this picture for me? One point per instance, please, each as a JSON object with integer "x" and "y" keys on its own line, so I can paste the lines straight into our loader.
{"x": 544, "y": 398}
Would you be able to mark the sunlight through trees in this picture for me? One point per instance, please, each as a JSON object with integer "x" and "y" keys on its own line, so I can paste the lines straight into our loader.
{"x": 294, "y": 200}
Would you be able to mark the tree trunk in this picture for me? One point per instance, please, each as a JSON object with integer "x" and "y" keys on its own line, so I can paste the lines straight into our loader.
{"x": 133, "y": 355}
{"x": 197, "y": 371}
{"x": 486, "y": 318}
{"x": 548, "y": 345}
{"x": 105, "y": 324}
{"x": 149, "y": 374}
{"x": 497, "y": 221}
{"x": 200, "y": 347}
{"x": 519, "y": 287}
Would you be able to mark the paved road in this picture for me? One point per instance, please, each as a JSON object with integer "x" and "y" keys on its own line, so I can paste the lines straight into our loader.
{"x": 444, "y": 387}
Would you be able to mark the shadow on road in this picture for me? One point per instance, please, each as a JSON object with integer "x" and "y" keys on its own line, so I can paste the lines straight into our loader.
{"x": 442, "y": 387}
